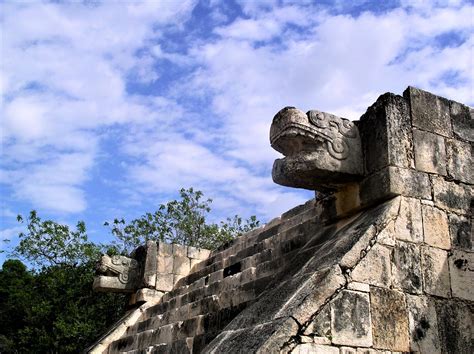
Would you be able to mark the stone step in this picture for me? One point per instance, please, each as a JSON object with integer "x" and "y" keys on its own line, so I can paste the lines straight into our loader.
{"x": 166, "y": 337}
{"x": 291, "y": 238}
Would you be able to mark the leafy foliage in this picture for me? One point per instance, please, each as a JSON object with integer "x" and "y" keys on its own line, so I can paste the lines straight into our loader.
{"x": 180, "y": 221}
{"x": 49, "y": 243}
{"x": 53, "y": 308}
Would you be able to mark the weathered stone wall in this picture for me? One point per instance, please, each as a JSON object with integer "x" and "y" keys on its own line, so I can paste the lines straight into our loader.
{"x": 414, "y": 289}
{"x": 385, "y": 264}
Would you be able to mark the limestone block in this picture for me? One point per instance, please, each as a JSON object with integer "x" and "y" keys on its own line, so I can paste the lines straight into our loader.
{"x": 321, "y": 340}
{"x": 392, "y": 181}
{"x": 164, "y": 282}
{"x": 194, "y": 262}
{"x": 435, "y": 271}
{"x": 459, "y": 160}
{"x": 347, "y": 350}
{"x": 198, "y": 253}
{"x": 356, "y": 286}
{"x": 461, "y": 268}
{"x": 429, "y": 112}
{"x": 387, "y": 235}
{"x": 451, "y": 196}
{"x": 455, "y": 324}
{"x": 370, "y": 351}
{"x": 463, "y": 121}
{"x": 430, "y": 152}
{"x": 164, "y": 249}
{"x": 386, "y": 134}
{"x": 180, "y": 250}
{"x": 374, "y": 268}
{"x": 310, "y": 348}
{"x": 177, "y": 278}
{"x": 350, "y": 319}
{"x": 389, "y": 319}
{"x": 436, "y": 227}
{"x": 321, "y": 324}
{"x": 462, "y": 233}
{"x": 406, "y": 268}
{"x": 148, "y": 295}
{"x": 165, "y": 264}
{"x": 352, "y": 257}
{"x": 423, "y": 324}
{"x": 149, "y": 271}
{"x": 409, "y": 226}
{"x": 216, "y": 276}
{"x": 181, "y": 265}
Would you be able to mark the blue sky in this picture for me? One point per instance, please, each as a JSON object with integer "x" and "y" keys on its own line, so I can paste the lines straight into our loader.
{"x": 109, "y": 108}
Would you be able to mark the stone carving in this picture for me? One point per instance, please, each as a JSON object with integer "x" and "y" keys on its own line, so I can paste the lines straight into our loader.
{"x": 118, "y": 274}
{"x": 322, "y": 151}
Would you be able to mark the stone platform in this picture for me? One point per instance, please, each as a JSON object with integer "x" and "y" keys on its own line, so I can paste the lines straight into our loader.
{"x": 382, "y": 263}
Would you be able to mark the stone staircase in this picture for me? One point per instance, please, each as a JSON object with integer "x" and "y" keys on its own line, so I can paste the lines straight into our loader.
{"x": 384, "y": 264}
{"x": 217, "y": 289}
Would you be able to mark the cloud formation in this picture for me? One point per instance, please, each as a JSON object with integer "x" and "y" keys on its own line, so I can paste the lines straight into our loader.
{"x": 112, "y": 107}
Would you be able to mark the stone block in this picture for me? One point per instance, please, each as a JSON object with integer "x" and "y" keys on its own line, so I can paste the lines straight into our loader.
{"x": 181, "y": 265}
{"x": 436, "y": 227}
{"x": 164, "y": 282}
{"x": 148, "y": 295}
{"x": 180, "y": 250}
{"x": 406, "y": 268}
{"x": 462, "y": 233}
{"x": 177, "y": 278}
{"x": 149, "y": 271}
{"x": 423, "y": 324}
{"x": 374, "y": 268}
{"x": 194, "y": 262}
{"x": 198, "y": 253}
{"x": 452, "y": 196}
{"x": 463, "y": 121}
{"x": 455, "y": 324}
{"x": 385, "y": 131}
{"x": 356, "y": 286}
{"x": 321, "y": 340}
{"x": 430, "y": 152}
{"x": 387, "y": 235}
{"x": 389, "y": 320}
{"x": 320, "y": 326}
{"x": 461, "y": 269}
{"x": 165, "y": 264}
{"x": 459, "y": 161}
{"x": 164, "y": 249}
{"x": 435, "y": 271}
{"x": 392, "y": 181}
{"x": 216, "y": 276}
{"x": 310, "y": 348}
{"x": 350, "y": 319}
{"x": 429, "y": 112}
{"x": 347, "y": 350}
{"x": 408, "y": 225}
{"x": 353, "y": 256}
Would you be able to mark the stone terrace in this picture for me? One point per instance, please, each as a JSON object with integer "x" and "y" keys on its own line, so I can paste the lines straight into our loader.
{"x": 384, "y": 264}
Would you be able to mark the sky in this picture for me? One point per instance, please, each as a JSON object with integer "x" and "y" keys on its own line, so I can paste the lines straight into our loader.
{"x": 109, "y": 108}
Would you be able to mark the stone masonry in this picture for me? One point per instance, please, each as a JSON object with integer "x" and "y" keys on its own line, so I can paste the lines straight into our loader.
{"x": 382, "y": 262}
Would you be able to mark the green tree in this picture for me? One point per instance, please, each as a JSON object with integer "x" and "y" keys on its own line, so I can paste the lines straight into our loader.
{"x": 52, "y": 308}
{"x": 55, "y": 307}
{"x": 180, "y": 221}
{"x": 48, "y": 243}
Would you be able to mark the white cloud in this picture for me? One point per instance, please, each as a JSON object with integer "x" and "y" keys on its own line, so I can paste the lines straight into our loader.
{"x": 67, "y": 69}
{"x": 64, "y": 74}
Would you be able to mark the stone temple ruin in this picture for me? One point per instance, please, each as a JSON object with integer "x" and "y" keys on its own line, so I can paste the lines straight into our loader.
{"x": 382, "y": 261}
